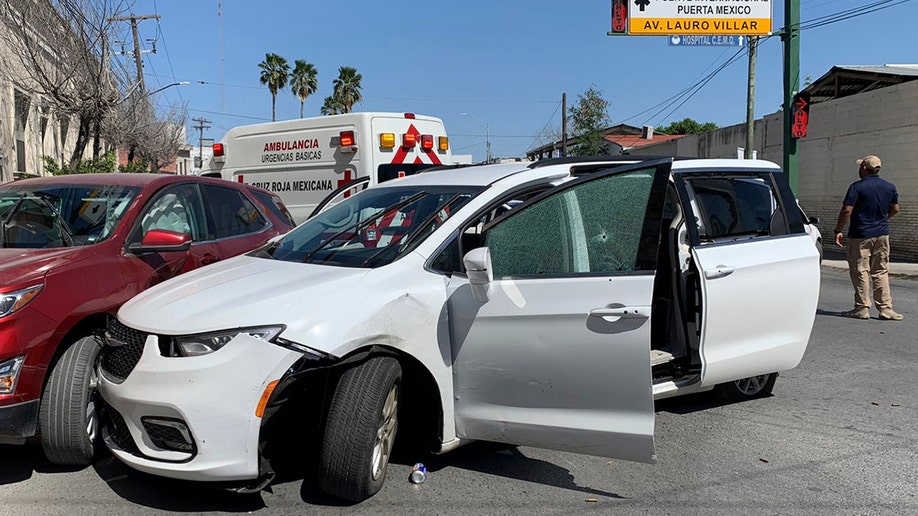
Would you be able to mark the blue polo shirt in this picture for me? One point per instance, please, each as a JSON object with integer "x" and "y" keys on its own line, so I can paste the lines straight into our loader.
{"x": 871, "y": 198}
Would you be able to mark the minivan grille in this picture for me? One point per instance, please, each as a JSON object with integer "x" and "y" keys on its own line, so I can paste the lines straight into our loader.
{"x": 122, "y": 350}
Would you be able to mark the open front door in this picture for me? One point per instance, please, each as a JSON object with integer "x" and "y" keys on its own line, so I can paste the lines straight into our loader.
{"x": 554, "y": 351}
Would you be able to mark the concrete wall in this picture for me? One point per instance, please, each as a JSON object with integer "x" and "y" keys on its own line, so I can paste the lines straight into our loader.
{"x": 882, "y": 122}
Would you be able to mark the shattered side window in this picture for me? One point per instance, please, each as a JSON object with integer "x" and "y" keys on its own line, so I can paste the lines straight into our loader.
{"x": 594, "y": 227}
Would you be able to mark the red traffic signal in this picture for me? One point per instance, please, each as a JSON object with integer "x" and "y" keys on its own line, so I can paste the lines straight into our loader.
{"x": 619, "y": 16}
{"x": 800, "y": 112}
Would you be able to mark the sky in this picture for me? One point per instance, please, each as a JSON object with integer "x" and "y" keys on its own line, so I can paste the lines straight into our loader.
{"x": 505, "y": 64}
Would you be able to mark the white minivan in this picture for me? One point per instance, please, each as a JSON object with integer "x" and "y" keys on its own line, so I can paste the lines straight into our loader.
{"x": 545, "y": 305}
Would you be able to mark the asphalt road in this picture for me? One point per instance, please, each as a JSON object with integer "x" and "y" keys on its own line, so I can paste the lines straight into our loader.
{"x": 839, "y": 436}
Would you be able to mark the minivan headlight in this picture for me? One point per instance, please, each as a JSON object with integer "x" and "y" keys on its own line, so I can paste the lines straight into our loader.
{"x": 12, "y": 302}
{"x": 206, "y": 343}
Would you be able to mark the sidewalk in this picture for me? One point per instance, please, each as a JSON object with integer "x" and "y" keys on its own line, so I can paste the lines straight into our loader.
{"x": 896, "y": 269}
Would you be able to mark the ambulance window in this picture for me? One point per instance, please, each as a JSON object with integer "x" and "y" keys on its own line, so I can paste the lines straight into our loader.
{"x": 232, "y": 213}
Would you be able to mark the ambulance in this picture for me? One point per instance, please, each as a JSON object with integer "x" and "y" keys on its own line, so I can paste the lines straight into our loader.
{"x": 305, "y": 160}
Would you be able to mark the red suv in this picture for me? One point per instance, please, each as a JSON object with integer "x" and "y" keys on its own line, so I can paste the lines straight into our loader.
{"x": 72, "y": 250}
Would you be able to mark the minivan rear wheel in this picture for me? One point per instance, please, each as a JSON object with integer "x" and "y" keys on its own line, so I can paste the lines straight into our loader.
{"x": 360, "y": 430}
{"x": 67, "y": 418}
{"x": 748, "y": 388}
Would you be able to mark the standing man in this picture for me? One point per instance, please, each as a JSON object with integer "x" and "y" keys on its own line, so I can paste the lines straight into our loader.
{"x": 869, "y": 204}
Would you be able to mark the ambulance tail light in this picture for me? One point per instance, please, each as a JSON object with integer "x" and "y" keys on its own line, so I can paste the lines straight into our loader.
{"x": 443, "y": 143}
{"x": 387, "y": 140}
{"x": 426, "y": 142}
{"x": 346, "y": 138}
{"x": 218, "y": 153}
{"x": 409, "y": 116}
{"x": 409, "y": 140}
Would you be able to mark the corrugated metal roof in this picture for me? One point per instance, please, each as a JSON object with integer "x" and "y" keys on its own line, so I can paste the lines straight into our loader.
{"x": 846, "y": 80}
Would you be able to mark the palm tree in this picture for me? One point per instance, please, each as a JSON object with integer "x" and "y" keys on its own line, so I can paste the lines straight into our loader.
{"x": 347, "y": 88}
{"x": 303, "y": 81}
{"x": 331, "y": 106}
{"x": 274, "y": 72}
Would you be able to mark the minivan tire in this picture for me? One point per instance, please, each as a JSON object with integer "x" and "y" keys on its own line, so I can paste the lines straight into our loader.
{"x": 747, "y": 388}
{"x": 67, "y": 418}
{"x": 360, "y": 430}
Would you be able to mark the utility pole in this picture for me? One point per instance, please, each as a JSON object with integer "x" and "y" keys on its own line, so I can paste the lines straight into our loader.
{"x": 137, "y": 51}
{"x": 750, "y": 98}
{"x": 202, "y": 123}
{"x": 791, "y": 39}
{"x": 563, "y": 124}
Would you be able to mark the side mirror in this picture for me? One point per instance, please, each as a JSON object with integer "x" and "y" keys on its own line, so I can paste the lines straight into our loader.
{"x": 162, "y": 241}
{"x": 814, "y": 220}
{"x": 478, "y": 267}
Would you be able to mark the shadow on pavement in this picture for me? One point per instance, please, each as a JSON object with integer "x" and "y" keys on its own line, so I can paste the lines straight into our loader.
{"x": 507, "y": 461}
{"x": 171, "y": 495}
{"x": 696, "y": 403}
{"x": 19, "y": 462}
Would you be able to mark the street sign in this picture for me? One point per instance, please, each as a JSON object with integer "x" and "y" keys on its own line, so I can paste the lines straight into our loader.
{"x": 699, "y": 17}
{"x": 706, "y": 41}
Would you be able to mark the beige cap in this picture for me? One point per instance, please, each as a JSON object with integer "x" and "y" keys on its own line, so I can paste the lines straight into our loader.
{"x": 872, "y": 162}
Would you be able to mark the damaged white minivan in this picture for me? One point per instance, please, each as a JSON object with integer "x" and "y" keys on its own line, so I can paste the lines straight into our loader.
{"x": 543, "y": 304}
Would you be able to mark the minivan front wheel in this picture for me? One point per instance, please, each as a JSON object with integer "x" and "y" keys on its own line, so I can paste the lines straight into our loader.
{"x": 748, "y": 388}
{"x": 360, "y": 430}
{"x": 67, "y": 417}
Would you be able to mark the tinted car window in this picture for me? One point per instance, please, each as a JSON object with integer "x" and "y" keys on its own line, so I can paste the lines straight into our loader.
{"x": 231, "y": 213}
{"x": 274, "y": 203}
{"x": 735, "y": 206}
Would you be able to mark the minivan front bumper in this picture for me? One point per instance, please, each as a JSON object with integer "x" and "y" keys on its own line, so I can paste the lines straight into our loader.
{"x": 193, "y": 418}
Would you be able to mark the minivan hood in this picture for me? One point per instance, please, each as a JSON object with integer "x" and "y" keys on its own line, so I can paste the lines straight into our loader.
{"x": 20, "y": 266}
{"x": 240, "y": 292}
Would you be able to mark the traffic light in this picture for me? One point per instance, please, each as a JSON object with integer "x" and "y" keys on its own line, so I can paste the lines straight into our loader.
{"x": 619, "y": 17}
{"x": 800, "y": 111}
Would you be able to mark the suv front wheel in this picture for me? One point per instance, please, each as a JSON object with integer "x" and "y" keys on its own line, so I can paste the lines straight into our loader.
{"x": 68, "y": 420}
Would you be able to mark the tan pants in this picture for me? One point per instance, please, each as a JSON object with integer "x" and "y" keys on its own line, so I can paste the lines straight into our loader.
{"x": 868, "y": 259}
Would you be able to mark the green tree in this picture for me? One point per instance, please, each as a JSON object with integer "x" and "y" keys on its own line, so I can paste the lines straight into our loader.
{"x": 101, "y": 165}
{"x": 331, "y": 106}
{"x": 274, "y": 73}
{"x": 303, "y": 81}
{"x": 588, "y": 119}
{"x": 687, "y": 126}
{"x": 347, "y": 88}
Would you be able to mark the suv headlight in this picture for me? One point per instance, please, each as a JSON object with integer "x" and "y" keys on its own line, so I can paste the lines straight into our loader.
{"x": 12, "y": 302}
{"x": 9, "y": 374}
{"x": 206, "y": 343}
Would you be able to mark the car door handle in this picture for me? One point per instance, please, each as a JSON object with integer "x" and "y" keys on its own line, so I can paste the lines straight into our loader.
{"x": 624, "y": 312}
{"x": 718, "y": 272}
{"x": 208, "y": 258}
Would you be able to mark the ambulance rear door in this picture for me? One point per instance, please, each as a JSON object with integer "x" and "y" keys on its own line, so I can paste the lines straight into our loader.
{"x": 406, "y": 145}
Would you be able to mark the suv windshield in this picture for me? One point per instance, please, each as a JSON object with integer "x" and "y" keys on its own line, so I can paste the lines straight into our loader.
{"x": 44, "y": 216}
{"x": 373, "y": 228}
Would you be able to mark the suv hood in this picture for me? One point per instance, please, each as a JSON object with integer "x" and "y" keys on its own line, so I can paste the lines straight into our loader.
{"x": 20, "y": 266}
{"x": 237, "y": 293}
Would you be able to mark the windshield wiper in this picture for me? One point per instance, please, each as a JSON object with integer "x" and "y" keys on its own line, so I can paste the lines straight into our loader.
{"x": 420, "y": 229}
{"x": 357, "y": 228}
{"x": 65, "y": 228}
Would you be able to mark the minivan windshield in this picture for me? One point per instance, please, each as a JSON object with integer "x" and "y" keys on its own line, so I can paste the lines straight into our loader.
{"x": 45, "y": 216}
{"x": 372, "y": 228}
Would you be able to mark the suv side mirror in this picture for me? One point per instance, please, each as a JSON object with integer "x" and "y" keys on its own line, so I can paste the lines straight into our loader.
{"x": 478, "y": 267}
{"x": 162, "y": 241}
